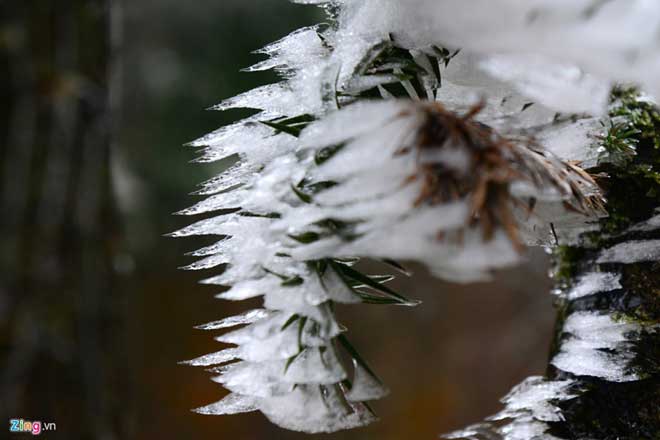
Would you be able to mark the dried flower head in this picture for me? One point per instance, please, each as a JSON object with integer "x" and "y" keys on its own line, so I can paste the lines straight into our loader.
{"x": 461, "y": 158}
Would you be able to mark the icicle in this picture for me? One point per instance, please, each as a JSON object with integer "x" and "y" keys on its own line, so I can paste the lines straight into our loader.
{"x": 232, "y": 404}
{"x": 248, "y": 317}
{"x": 632, "y": 252}
{"x": 365, "y": 386}
{"x": 473, "y": 165}
{"x": 219, "y": 357}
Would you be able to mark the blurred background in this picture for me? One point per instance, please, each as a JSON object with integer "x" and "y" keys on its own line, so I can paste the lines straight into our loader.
{"x": 96, "y": 100}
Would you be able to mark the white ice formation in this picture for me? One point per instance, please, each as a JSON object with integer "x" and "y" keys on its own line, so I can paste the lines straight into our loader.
{"x": 322, "y": 176}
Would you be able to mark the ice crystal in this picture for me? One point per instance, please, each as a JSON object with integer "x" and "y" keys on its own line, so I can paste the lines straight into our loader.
{"x": 597, "y": 345}
{"x": 450, "y": 133}
{"x": 528, "y": 408}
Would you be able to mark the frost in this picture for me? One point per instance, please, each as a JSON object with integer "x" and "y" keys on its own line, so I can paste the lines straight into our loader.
{"x": 572, "y": 139}
{"x": 293, "y": 51}
{"x": 275, "y": 99}
{"x": 275, "y": 326}
{"x": 528, "y": 407}
{"x": 378, "y": 192}
{"x": 649, "y": 225}
{"x": 615, "y": 41}
{"x": 365, "y": 386}
{"x": 524, "y": 428}
{"x": 316, "y": 365}
{"x": 467, "y": 157}
{"x": 562, "y": 87}
{"x": 362, "y": 117}
{"x": 204, "y": 227}
{"x": 238, "y": 174}
{"x": 534, "y": 395}
{"x": 599, "y": 346}
{"x": 315, "y": 409}
{"x": 219, "y": 357}
{"x": 260, "y": 380}
{"x": 337, "y": 290}
{"x": 232, "y": 404}
{"x": 632, "y": 251}
{"x": 594, "y": 282}
{"x": 244, "y": 318}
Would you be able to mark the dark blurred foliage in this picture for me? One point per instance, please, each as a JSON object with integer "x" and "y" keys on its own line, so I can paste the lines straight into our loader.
{"x": 63, "y": 313}
{"x": 94, "y": 315}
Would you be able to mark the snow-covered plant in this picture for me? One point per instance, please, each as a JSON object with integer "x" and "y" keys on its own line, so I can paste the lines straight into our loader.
{"x": 454, "y": 133}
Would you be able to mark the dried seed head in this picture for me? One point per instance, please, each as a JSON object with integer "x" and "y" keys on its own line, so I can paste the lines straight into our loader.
{"x": 460, "y": 158}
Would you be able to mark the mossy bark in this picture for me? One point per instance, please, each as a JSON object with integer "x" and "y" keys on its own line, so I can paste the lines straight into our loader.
{"x": 630, "y": 409}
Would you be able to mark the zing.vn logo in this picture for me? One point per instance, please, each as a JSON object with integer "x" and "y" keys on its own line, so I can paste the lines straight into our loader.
{"x": 34, "y": 428}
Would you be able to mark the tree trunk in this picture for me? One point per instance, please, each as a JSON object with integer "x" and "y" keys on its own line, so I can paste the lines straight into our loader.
{"x": 61, "y": 304}
{"x": 615, "y": 276}
{"x": 603, "y": 379}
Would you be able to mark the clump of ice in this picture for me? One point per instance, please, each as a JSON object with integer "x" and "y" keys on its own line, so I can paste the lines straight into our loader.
{"x": 574, "y": 139}
{"x": 232, "y": 404}
{"x": 293, "y": 52}
{"x": 633, "y": 251}
{"x": 558, "y": 86}
{"x": 217, "y": 358}
{"x": 651, "y": 224}
{"x": 613, "y": 40}
{"x": 535, "y": 397}
{"x": 316, "y": 409}
{"x": 375, "y": 190}
{"x": 284, "y": 361}
{"x": 597, "y": 345}
{"x": 528, "y": 409}
{"x": 365, "y": 386}
{"x": 593, "y": 282}
{"x": 244, "y": 318}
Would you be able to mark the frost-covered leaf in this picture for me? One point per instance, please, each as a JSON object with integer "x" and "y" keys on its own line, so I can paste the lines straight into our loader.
{"x": 474, "y": 147}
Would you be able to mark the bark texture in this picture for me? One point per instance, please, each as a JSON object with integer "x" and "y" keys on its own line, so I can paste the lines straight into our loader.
{"x": 627, "y": 409}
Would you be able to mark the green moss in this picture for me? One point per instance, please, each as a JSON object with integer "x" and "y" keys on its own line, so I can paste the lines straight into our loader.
{"x": 641, "y": 114}
{"x": 612, "y": 411}
{"x": 619, "y": 143}
{"x": 647, "y": 356}
{"x": 631, "y": 176}
{"x": 566, "y": 259}
{"x": 642, "y": 280}
{"x": 562, "y": 313}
